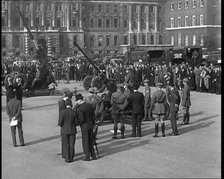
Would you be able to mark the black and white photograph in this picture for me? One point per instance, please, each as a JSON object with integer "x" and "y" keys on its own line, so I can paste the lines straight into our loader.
{"x": 111, "y": 89}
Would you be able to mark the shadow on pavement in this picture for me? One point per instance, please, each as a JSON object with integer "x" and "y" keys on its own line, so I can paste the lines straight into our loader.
{"x": 43, "y": 140}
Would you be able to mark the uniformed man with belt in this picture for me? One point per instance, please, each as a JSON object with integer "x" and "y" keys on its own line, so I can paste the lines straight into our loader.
{"x": 119, "y": 102}
{"x": 159, "y": 108}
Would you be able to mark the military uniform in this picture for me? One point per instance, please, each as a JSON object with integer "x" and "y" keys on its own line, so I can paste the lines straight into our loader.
{"x": 159, "y": 108}
{"x": 147, "y": 92}
{"x": 119, "y": 102}
{"x": 186, "y": 101}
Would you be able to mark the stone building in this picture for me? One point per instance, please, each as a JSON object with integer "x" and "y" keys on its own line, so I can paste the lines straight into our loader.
{"x": 104, "y": 26}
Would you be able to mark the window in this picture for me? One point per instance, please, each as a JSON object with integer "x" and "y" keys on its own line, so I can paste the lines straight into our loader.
{"x": 194, "y": 40}
{"x": 75, "y": 38}
{"x": 37, "y": 21}
{"x": 201, "y": 3}
{"x": 134, "y": 24}
{"x": 107, "y": 23}
{"x": 143, "y": 24}
{"x": 100, "y": 8}
{"x": 4, "y": 21}
{"x": 202, "y": 40}
{"x": 143, "y": 39}
{"x": 74, "y": 6}
{"x": 152, "y": 39}
{"x": 179, "y": 40}
{"x": 186, "y": 40}
{"x": 193, "y": 20}
{"x": 92, "y": 8}
{"x": 125, "y": 40}
{"x": 172, "y": 40}
{"x": 135, "y": 39}
{"x": 172, "y": 22}
{"x": 115, "y": 40}
{"x": 27, "y": 6}
{"x": 201, "y": 19}
{"x": 48, "y": 7}
{"x": 179, "y": 22}
{"x": 92, "y": 23}
{"x": 16, "y": 41}
{"x": 100, "y": 41}
{"x": 186, "y": 21}
{"x": 91, "y": 41}
{"x": 125, "y": 24}
{"x": 108, "y": 8}
{"x": 160, "y": 39}
{"x": 100, "y": 23}
{"x": 107, "y": 41}
{"x": 116, "y": 23}
{"x": 125, "y": 8}
{"x": 3, "y": 41}
{"x": 186, "y": 4}
{"x": 58, "y": 7}
{"x": 74, "y": 22}
{"x": 134, "y": 8}
{"x": 179, "y": 5}
{"x": 115, "y": 8}
{"x": 38, "y": 7}
{"x": 193, "y": 3}
{"x": 58, "y": 22}
{"x": 172, "y": 6}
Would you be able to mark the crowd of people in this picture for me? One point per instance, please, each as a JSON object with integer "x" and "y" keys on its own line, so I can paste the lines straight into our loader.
{"x": 89, "y": 112}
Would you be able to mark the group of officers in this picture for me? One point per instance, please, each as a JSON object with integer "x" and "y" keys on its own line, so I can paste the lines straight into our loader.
{"x": 89, "y": 112}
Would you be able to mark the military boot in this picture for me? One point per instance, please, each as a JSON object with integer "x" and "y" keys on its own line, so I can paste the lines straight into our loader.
{"x": 187, "y": 118}
{"x": 156, "y": 130}
{"x": 163, "y": 129}
{"x": 122, "y": 132}
{"x": 184, "y": 118}
{"x": 115, "y": 133}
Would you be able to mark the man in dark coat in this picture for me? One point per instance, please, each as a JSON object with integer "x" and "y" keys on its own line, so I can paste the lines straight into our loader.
{"x": 137, "y": 102}
{"x": 19, "y": 90}
{"x": 61, "y": 106}
{"x": 147, "y": 91}
{"x": 159, "y": 107}
{"x": 14, "y": 113}
{"x": 9, "y": 88}
{"x": 86, "y": 118}
{"x": 174, "y": 101}
{"x": 67, "y": 121}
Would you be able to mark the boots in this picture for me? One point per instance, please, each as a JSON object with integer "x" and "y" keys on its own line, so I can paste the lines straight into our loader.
{"x": 156, "y": 130}
{"x": 187, "y": 118}
{"x": 163, "y": 129}
{"x": 115, "y": 133}
{"x": 122, "y": 131}
{"x": 184, "y": 118}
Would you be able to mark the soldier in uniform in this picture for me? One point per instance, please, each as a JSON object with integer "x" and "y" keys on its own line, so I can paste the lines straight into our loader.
{"x": 186, "y": 101}
{"x": 159, "y": 107}
{"x": 147, "y": 92}
{"x": 119, "y": 102}
{"x": 137, "y": 101}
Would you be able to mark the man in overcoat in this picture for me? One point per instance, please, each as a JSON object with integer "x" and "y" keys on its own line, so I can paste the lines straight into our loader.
{"x": 147, "y": 93}
{"x": 67, "y": 121}
{"x": 86, "y": 118}
{"x": 137, "y": 102}
{"x": 14, "y": 113}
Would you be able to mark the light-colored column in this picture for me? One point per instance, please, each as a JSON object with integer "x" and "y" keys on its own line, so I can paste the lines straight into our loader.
{"x": 21, "y": 9}
{"x": 147, "y": 18}
{"x": 68, "y": 16}
{"x": 130, "y": 18}
{"x": 138, "y": 17}
{"x": 43, "y": 13}
{"x": 53, "y": 14}
{"x": 156, "y": 17}
{"x": 80, "y": 16}
{"x": 31, "y": 11}
{"x": 63, "y": 14}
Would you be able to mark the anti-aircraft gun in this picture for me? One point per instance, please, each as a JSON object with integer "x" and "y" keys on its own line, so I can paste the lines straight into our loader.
{"x": 44, "y": 76}
{"x": 100, "y": 81}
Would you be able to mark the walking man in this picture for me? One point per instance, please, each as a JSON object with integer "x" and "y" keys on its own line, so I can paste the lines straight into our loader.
{"x": 14, "y": 113}
{"x": 186, "y": 101}
{"x": 159, "y": 107}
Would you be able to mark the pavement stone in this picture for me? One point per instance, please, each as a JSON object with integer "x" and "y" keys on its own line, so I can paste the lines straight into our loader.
{"x": 194, "y": 153}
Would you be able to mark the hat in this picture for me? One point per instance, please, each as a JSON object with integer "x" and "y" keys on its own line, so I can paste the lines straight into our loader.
{"x": 120, "y": 85}
{"x": 78, "y": 97}
{"x": 186, "y": 80}
{"x": 135, "y": 86}
{"x": 167, "y": 77}
{"x": 159, "y": 84}
{"x": 146, "y": 81}
{"x": 95, "y": 90}
{"x": 68, "y": 102}
{"x": 91, "y": 90}
{"x": 67, "y": 92}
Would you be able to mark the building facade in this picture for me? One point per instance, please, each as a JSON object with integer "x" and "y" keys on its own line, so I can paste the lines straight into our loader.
{"x": 105, "y": 26}
{"x": 193, "y": 23}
